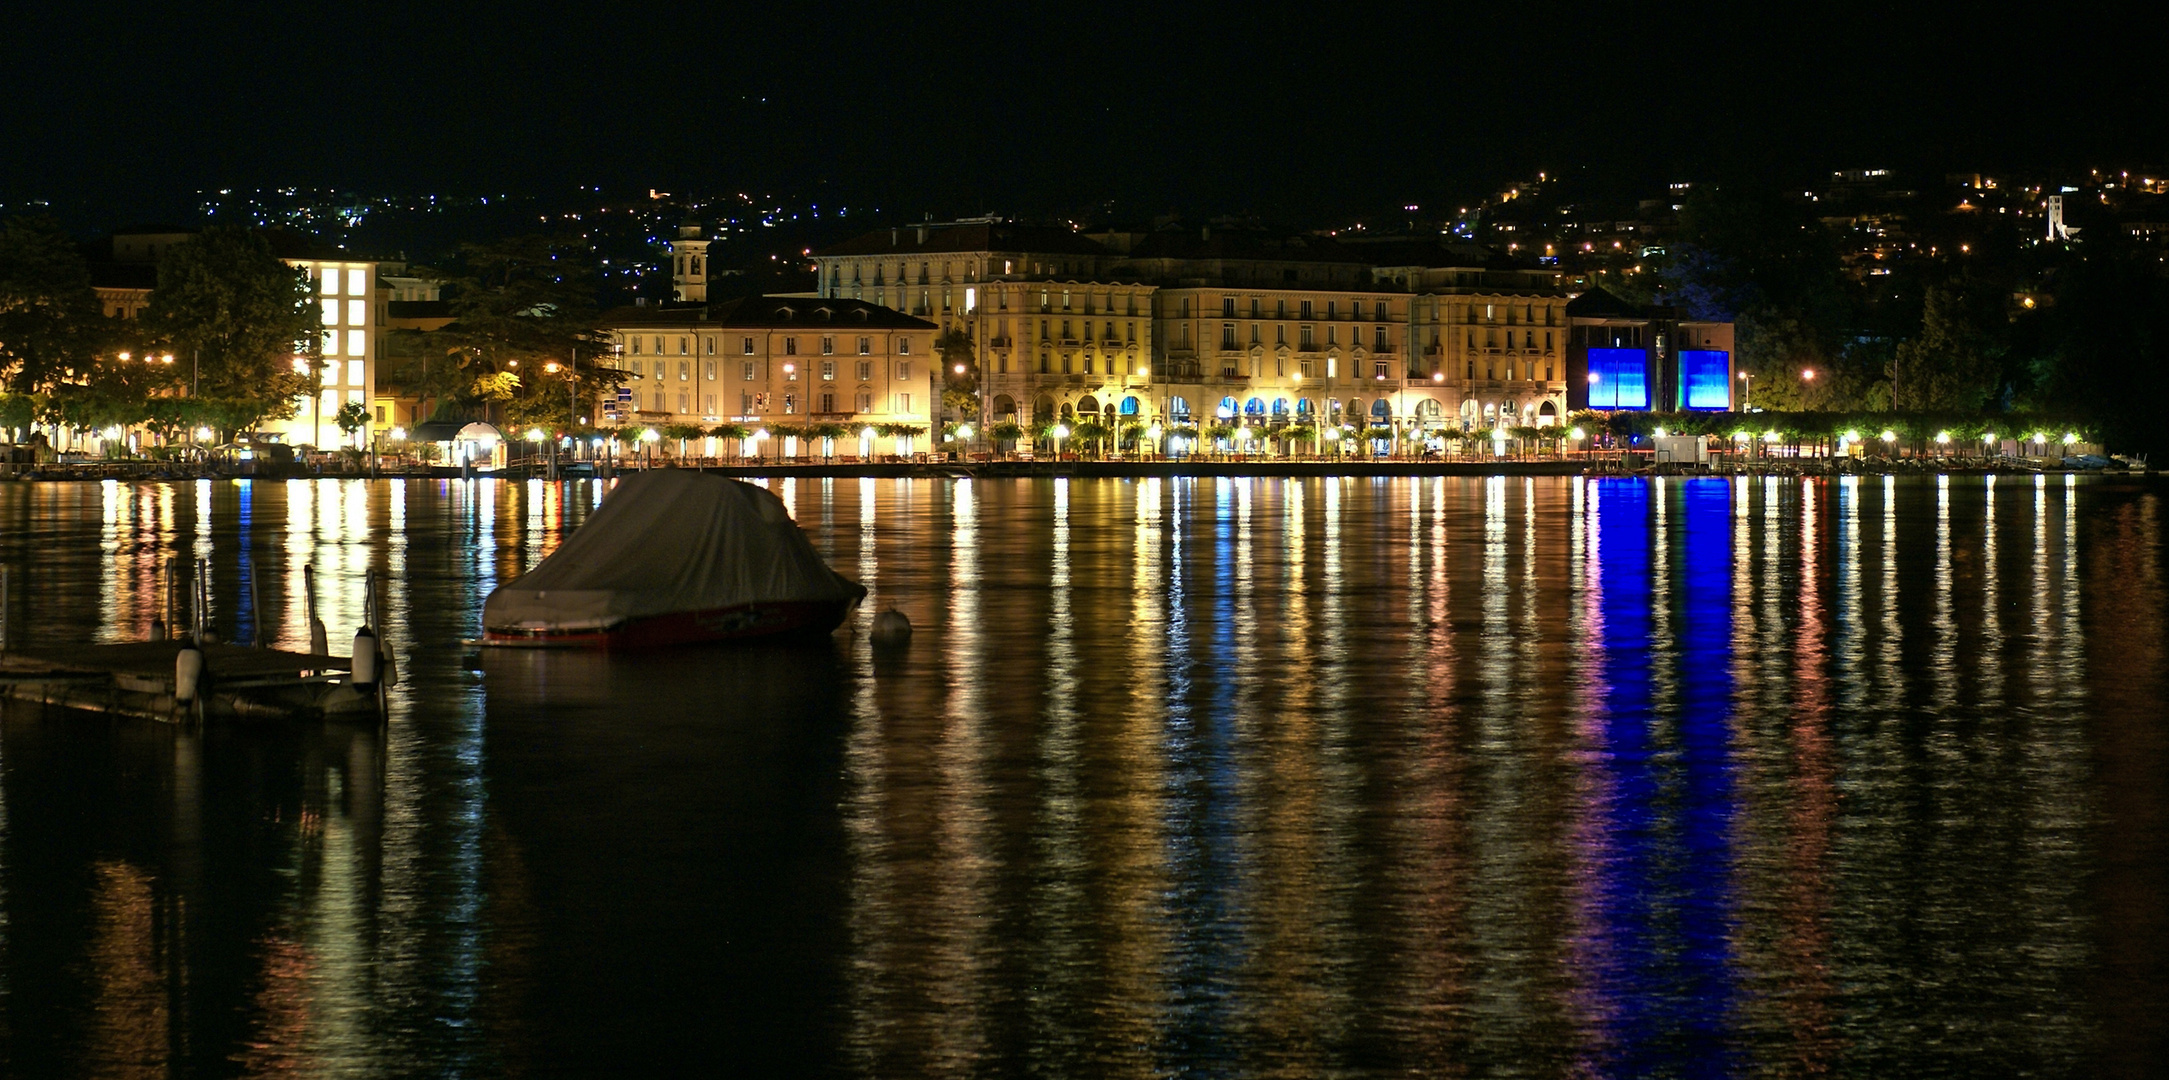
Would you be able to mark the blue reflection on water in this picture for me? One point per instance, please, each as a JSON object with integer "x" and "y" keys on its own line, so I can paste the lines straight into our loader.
{"x": 1663, "y": 979}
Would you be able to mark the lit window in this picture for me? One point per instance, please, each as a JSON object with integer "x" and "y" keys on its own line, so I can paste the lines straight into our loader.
{"x": 357, "y": 343}
{"x": 828, "y": 346}
{"x": 329, "y": 403}
{"x": 866, "y": 346}
{"x": 354, "y": 397}
{"x": 355, "y": 372}
{"x": 903, "y": 346}
{"x": 828, "y": 371}
{"x": 331, "y": 312}
{"x": 749, "y": 371}
{"x": 747, "y": 347}
{"x": 357, "y": 282}
{"x": 903, "y": 369}
{"x": 357, "y": 313}
{"x": 331, "y": 343}
{"x": 331, "y": 281}
{"x": 636, "y": 345}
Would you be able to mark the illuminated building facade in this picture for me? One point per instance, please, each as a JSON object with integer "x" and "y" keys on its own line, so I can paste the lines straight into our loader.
{"x": 1637, "y": 357}
{"x": 772, "y": 359}
{"x": 1203, "y": 326}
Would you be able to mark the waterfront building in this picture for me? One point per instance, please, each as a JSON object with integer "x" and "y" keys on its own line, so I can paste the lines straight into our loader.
{"x": 1629, "y": 356}
{"x": 772, "y": 359}
{"x": 351, "y": 303}
{"x": 1219, "y": 325}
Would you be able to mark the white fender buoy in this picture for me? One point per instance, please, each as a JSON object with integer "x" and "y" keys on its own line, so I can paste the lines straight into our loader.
{"x": 892, "y": 627}
{"x": 319, "y": 642}
{"x": 364, "y": 671}
{"x": 187, "y": 673}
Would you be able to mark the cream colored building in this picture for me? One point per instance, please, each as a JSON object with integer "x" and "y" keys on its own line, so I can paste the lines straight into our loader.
{"x": 772, "y": 359}
{"x": 1211, "y": 325}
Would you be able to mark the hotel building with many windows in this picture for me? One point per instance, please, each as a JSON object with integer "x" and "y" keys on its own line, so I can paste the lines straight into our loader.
{"x": 1197, "y": 326}
{"x": 771, "y": 359}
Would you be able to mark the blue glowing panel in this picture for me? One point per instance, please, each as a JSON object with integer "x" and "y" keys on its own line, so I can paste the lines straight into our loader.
{"x": 1620, "y": 379}
{"x": 1706, "y": 376}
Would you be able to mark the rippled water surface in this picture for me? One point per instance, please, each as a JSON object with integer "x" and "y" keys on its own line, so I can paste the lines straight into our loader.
{"x": 1220, "y": 776}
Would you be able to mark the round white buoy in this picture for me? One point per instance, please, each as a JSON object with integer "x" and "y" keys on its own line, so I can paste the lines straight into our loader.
{"x": 187, "y": 673}
{"x": 319, "y": 642}
{"x": 366, "y": 658}
{"x": 892, "y": 627}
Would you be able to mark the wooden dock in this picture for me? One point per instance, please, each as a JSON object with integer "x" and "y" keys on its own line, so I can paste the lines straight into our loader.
{"x": 137, "y": 679}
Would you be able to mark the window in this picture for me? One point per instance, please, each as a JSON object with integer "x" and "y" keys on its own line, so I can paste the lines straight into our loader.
{"x": 790, "y": 403}
{"x": 790, "y": 346}
{"x": 331, "y": 312}
{"x": 636, "y": 345}
{"x": 903, "y": 369}
{"x": 357, "y": 312}
{"x": 1253, "y": 307}
{"x": 1378, "y": 338}
{"x": 380, "y": 414}
{"x": 745, "y": 404}
{"x": 1380, "y": 309}
{"x": 903, "y": 346}
{"x": 354, "y": 372}
{"x": 357, "y": 343}
{"x": 866, "y": 370}
{"x": 357, "y": 282}
{"x": 685, "y": 345}
{"x": 903, "y": 403}
{"x": 866, "y": 346}
{"x": 1307, "y": 339}
{"x": 708, "y": 344}
{"x": 707, "y": 404}
{"x": 828, "y": 403}
{"x": 1306, "y": 309}
{"x": 828, "y": 346}
{"x": 1227, "y": 307}
{"x": 708, "y": 371}
{"x": 331, "y": 281}
{"x": 790, "y": 372}
{"x": 658, "y": 344}
{"x": 866, "y": 401}
{"x": 1330, "y": 307}
{"x": 746, "y": 346}
{"x": 1227, "y": 335}
{"x": 828, "y": 371}
{"x": 749, "y": 370}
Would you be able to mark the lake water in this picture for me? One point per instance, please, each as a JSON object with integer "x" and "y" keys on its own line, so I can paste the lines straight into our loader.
{"x": 1444, "y": 776}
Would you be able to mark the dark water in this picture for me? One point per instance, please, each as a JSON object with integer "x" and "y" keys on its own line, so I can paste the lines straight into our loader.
{"x": 1226, "y": 777}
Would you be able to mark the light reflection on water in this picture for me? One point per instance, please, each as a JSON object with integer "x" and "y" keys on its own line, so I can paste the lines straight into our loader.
{"x": 1238, "y": 775}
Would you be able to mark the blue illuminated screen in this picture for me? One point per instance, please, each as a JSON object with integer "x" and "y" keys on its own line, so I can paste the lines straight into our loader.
{"x": 1707, "y": 376}
{"x": 1622, "y": 379}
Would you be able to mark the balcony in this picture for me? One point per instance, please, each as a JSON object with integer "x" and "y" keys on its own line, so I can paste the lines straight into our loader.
{"x": 1310, "y": 347}
{"x": 999, "y": 343}
{"x": 1434, "y": 350}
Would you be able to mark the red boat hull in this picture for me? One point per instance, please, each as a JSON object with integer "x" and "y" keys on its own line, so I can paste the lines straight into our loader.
{"x": 790, "y": 618}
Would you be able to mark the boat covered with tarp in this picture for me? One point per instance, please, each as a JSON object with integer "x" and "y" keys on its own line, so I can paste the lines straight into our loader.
{"x": 672, "y": 557}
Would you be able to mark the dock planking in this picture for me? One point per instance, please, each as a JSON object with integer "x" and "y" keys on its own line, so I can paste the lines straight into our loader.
{"x": 137, "y": 679}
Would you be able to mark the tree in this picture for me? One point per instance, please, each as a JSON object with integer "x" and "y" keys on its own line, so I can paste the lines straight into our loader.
{"x": 245, "y": 322}
{"x": 351, "y": 417}
{"x": 518, "y": 305}
{"x": 1955, "y": 363}
{"x": 50, "y": 321}
{"x": 959, "y": 374}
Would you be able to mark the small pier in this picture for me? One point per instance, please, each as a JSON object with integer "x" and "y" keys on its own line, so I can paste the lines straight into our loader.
{"x": 138, "y": 679}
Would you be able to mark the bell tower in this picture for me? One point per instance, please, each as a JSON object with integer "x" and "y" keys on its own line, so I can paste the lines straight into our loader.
{"x": 689, "y": 263}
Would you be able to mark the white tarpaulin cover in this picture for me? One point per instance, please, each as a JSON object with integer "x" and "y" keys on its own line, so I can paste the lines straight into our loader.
{"x": 664, "y": 541}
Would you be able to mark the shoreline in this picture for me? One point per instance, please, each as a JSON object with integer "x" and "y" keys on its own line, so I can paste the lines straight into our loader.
{"x": 1126, "y": 470}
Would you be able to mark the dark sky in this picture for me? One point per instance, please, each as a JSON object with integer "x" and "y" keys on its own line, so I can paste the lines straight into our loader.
{"x": 1036, "y": 108}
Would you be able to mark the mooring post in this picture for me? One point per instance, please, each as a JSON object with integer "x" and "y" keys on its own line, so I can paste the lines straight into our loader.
{"x": 7, "y": 580}
{"x": 256, "y": 612}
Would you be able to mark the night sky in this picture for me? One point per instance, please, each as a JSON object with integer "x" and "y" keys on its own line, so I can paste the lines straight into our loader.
{"x": 1041, "y": 109}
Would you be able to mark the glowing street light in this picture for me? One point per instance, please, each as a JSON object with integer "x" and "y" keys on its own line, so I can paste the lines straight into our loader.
{"x": 1943, "y": 438}
{"x": 1061, "y": 432}
{"x": 397, "y": 434}
{"x": 534, "y": 434}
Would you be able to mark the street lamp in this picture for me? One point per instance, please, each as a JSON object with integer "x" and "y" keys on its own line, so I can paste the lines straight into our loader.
{"x": 1061, "y": 431}
{"x": 650, "y": 437}
{"x": 1747, "y": 396}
